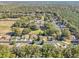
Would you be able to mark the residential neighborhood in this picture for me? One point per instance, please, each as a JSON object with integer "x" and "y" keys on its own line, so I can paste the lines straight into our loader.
{"x": 39, "y": 29}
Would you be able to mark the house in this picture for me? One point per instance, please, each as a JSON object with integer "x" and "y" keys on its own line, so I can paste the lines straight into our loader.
{"x": 62, "y": 26}
{"x": 30, "y": 41}
{"x": 50, "y": 38}
{"x": 32, "y": 36}
{"x": 39, "y": 42}
{"x": 43, "y": 38}
{"x": 56, "y": 18}
{"x": 26, "y": 37}
{"x": 39, "y": 22}
{"x": 74, "y": 40}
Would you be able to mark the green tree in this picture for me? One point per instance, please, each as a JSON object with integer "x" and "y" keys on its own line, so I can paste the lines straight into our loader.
{"x": 51, "y": 29}
{"x": 71, "y": 52}
{"x": 26, "y": 31}
{"x": 49, "y": 50}
{"x": 5, "y": 52}
{"x": 33, "y": 26}
{"x": 28, "y": 51}
{"x": 66, "y": 32}
{"x": 17, "y": 31}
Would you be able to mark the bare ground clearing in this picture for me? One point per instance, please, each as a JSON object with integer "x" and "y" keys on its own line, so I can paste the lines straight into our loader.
{"x": 5, "y": 26}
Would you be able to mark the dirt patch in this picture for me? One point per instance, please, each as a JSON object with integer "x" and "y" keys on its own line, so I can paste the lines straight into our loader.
{"x": 5, "y": 26}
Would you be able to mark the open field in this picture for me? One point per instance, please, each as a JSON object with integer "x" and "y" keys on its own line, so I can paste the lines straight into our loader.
{"x": 5, "y": 26}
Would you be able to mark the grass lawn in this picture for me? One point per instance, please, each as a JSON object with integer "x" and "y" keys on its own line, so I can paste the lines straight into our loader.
{"x": 37, "y": 31}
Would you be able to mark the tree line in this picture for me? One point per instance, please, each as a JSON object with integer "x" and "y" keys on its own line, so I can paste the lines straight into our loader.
{"x": 34, "y": 51}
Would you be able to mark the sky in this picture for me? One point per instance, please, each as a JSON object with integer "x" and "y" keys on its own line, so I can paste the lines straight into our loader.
{"x": 39, "y": 0}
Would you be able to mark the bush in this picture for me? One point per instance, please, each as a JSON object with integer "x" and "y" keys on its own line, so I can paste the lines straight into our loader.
{"x": 26, "y": 31}
{"x": 66, "y": 32}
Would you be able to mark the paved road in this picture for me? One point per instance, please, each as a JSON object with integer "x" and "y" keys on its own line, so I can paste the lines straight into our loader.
{"x": 15, "y": 41}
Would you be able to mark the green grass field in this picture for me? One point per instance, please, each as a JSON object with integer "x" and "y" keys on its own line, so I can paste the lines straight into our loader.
{"x": 37, "y": 31}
